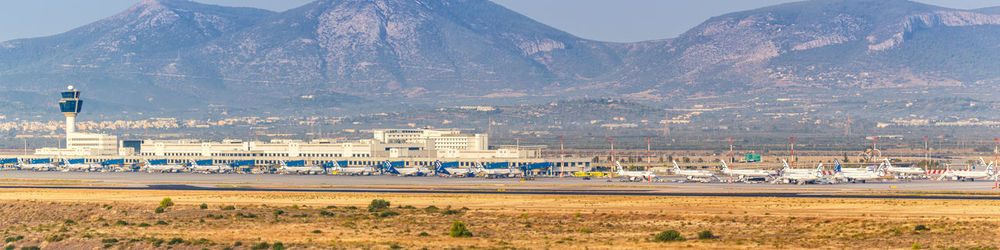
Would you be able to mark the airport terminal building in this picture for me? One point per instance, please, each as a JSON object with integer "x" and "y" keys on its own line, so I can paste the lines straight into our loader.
{"x": 385, "y": 143}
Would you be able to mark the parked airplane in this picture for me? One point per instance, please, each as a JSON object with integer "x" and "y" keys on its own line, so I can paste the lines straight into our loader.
{"x": 634, "y": 175}
{"x": 903, "y": 172}
{"x": 799, "y": 176}
{"x": 345, "y": 170}
{"x": 163, "y": 168}
{"x": 496, "y": 170}
{"x": 747, "y": 174}
{"x": 700, "y": 175}
{"x": 80, "y": 167}
{"x": 405, "y": 171}
{"x": 41, "y": 166}
{"x": 451, "y": 169}
{"x": 859, "y": 174}
{"x": 988, "y": 172}
{"x": 208, "y": 169}
{"x": 299, "y": 167}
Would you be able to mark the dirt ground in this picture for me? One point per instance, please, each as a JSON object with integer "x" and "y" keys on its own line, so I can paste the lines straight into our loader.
{"x": 89, "y": 219}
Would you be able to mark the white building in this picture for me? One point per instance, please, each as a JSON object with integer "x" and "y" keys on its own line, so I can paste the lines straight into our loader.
{"x": 387, "y": 143}
{"x": 80, "y": 143}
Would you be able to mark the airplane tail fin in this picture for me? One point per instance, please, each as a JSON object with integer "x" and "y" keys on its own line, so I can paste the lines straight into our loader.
{"x": 837, "y": 169}
{"x": 784, "y": 164}
{"x": 724, "y": 166}
{"x": 619, "y": 166}
{"x": 676, "y": 168}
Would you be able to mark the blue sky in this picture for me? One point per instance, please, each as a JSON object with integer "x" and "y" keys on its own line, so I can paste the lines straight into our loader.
{"x": 604, "y": 20}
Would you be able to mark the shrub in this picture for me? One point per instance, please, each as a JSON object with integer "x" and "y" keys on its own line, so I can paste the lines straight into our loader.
{"x": 143, "y": 224}
{"x": 203, "y": 206}
{"x": 30, "y": 248}
{"x": 158, "y": 242}
{"x": 166, "y": 202}
{"x": 387, "y": 214}
{"x": 278, "y": 246}
{"x": 921, "y": 228}
{"x": 458, "y": 229}
{"x": 109, "y": 241}
{"x": 162, "y": 223}
{"x": 13, "y": 239}
{"x": 175, "y": 241}
{"x": 317, "y": 231}
{"x": 229, "y": 207}
{"x": 424, "y": 234}
{"x": 261, "y": 246}
{"x": 705, "y": 235}
{"x": 327, "y": 213}
{"x": 916, "y": 246}
{"x": 69, "y": 222}
{"x": 585, "y": 230}
{"x": 158, "y": 210}
{"x": 378, "y": 205}
{"x": 431, "y": 209}
{"x": 668, "y": 235}
{"x": 55, "y": 237}
{"x": 121, "y": 223}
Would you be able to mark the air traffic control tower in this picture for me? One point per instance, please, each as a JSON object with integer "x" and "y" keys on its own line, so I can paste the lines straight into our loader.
{"x": 79, "y": 143}
{"x": 70, "y": 105}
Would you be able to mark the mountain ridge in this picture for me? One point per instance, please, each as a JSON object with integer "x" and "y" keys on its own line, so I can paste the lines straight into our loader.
{"x": 180, "y": 55}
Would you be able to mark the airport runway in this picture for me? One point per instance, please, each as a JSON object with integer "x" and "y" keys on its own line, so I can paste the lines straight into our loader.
{"x": 921, "y": 189}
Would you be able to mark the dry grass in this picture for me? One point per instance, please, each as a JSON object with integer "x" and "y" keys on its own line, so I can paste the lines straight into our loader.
{"x": 496, "y": 221}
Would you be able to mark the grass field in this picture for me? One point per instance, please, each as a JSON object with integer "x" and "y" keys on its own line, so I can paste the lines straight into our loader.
{"x": 89, "y": 219}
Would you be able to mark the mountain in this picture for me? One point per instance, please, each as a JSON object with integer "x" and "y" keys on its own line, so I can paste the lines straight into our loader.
{"x": 820, "y": 44}
{"x": 337, "y": 56}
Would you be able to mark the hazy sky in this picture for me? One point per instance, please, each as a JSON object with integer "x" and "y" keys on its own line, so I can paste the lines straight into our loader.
{"x": 605, "y": 20}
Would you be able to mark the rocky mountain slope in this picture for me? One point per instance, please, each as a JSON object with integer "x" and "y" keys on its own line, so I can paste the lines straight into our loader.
{"x": 336, "y": 55}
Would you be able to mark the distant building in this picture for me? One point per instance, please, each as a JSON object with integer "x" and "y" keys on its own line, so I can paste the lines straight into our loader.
{"x": 386, "y": 143}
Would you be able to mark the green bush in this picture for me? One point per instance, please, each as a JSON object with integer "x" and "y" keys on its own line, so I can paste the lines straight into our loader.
{"x": 158, "y": 210}
{"x": 162, "y": 223}
{"x": 921, "y": 228}
{"x": 30, "y": 248}
{"x": 585, "y": 230}
{"x": 327, "y": 213}
{"x": 203, "y": 206}
{"x": 229, "y": 207}
{"x": 378, "y": 205}
{"x": 109, "y": 241}
{"x": 668, "y": 235}
{"x": 261, "y": 246}
{"x": 278, "y": 246}
{"x": 55, "y": 238}
{"x": 121, "y": 223}
{"x": 143, "y": 224}
{"x": 424, "y": 234}
{"x": 458, "y": 229}
{"x": 317, "y": 231}
{"x": 166, "y": 202}
{"x": 705, "y": 235}
{"x": 387, "y": 214}
{"x": 175, "y": 241}
{"x": 13, "y": 239}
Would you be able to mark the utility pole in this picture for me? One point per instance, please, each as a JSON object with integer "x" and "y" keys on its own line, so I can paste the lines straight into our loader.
{"x": 927, "y": 155}
{"x": 611, "y": 173}
{"x": 731, "y": 158}
{"x": 875, "y": 152}
{"x": 793, "y": 151}
{"x": 648, "y": 147}
{"x": 562, "y": 158}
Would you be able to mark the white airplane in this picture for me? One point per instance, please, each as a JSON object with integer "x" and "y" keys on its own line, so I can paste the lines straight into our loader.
{"x": 799, "y": 176}
{"x": 208, "y": 169}
{"x": 453, "y": 171}
{"x": 163, "y": 168}
{"x": 404, "y": 171}
{"x": 634, "y": 175}
{"x": 80, "y": 167}
{"x": 906, "y": 172}
{"x": 859, "y": 174}
{"x": 496, "y": 172}
{"x": 366, "y": 170}
{"x": 988, "y": 172}
{"x": 35, "y": 166}
{"x": 746, "y": 174}
{"x": 285, "y": 169}
{"x": 701, "y": 175}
